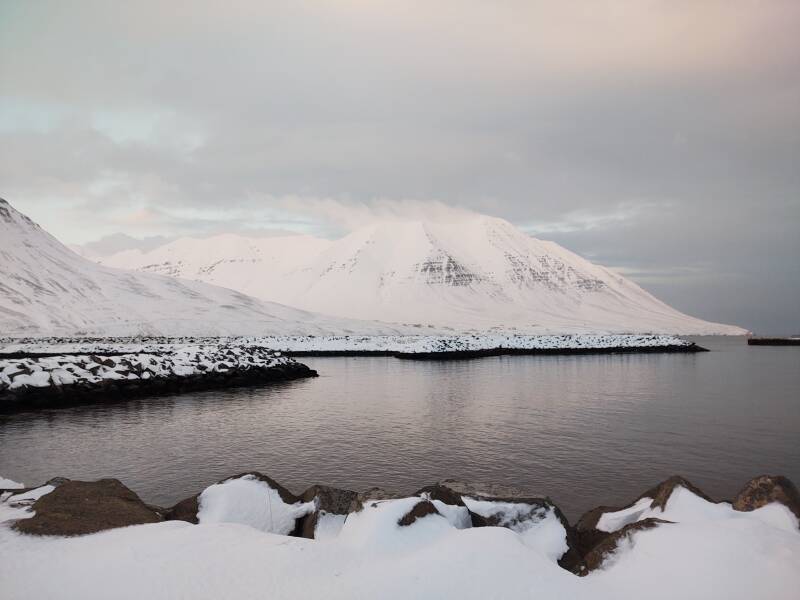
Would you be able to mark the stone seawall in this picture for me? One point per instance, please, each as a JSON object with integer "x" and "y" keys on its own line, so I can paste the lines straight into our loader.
{"x": 67, "y": 379}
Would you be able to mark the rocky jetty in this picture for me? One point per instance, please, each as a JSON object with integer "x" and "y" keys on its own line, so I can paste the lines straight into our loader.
{"x": 787, "y": 341}
{"x": 68, "y": 508}
{"x": 59, "y": 379}
{"x": 419, "y": 347}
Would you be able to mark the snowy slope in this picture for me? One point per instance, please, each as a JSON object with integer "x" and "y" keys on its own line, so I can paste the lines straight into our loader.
{"x": 476, "y": 274}
{"x": 45, "y": 288}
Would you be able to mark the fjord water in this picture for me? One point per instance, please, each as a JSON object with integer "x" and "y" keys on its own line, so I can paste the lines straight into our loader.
{"x": 586, "y": 430}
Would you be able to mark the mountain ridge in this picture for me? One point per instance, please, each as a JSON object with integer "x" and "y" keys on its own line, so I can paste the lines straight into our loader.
{"x": 479, "y": 273}
{"x": 47, "y": 289}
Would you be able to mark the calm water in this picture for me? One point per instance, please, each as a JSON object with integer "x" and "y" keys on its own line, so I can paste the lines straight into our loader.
{"x": 586, "y": 430}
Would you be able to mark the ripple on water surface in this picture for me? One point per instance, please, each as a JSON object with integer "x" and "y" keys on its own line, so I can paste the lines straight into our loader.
{"x": 586, "y": 430}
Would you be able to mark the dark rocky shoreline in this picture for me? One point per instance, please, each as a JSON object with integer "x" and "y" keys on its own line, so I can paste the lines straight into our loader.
{"x": 81, "y": 508}
{"x": 118, "y": 390}
{"x": 224, "y": 366}
{"x": 468, "y": 354}
{"x": 773, "y": 341}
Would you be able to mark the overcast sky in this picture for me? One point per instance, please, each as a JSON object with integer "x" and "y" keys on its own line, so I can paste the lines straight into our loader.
{"x": 658, "y": 137}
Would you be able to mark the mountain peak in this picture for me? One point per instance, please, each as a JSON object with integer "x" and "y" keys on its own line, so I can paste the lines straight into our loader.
{"x": 473, "y": 273}
{"x": 49, "y": 290}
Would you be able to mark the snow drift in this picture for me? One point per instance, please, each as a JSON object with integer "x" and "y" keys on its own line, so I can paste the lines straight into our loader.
{"x": 708, "y": 550}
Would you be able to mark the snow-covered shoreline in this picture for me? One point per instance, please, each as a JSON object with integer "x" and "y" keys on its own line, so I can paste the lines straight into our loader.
{"x": 362, "y": 344}
{"x": 99, "y": 373}
{"x": 63, "y": 371}
{"x": 247, "y": 536}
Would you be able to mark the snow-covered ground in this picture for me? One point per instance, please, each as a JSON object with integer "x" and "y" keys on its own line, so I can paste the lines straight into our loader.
{"x": 466, "y": 343}
{"x": 348, "y": 343}
{"x": 710, "y": 552}
{"x": 146, "y": 362}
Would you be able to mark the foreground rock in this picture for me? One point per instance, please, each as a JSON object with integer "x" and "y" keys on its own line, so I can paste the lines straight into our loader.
{"x": 504, "y": 506}
{"x": 250, "y": 498}
{"x": 331, "y": 507}
{"x": 63, "y": 507}
{"x": 372, "y": 494}
{"x": 710, "y": 552}
{"x": 765, "y": 489}
{"x": 603, "y": 550}
{"x": 82, "y": 507}
{"x": 599, "y": 531}
{"x": 420, "y": 510}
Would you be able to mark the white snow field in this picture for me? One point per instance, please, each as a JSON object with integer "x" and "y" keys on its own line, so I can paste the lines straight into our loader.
{"x": 345, "y": 343}
{"x": 710, "y": 552}
{"x": 465, "y": 343}
{"x": 477, "y": 274}
{"x": 47, "y": 289}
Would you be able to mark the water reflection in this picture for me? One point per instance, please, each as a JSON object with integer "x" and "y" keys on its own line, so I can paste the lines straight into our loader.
{"x": 586, "y": 430}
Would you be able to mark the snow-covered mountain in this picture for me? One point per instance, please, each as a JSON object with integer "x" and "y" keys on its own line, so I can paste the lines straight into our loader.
{"x": 476, "y": 274}
{"x": 45, "y": 288}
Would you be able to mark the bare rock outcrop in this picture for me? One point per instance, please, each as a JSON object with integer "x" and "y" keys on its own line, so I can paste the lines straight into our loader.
{"x": 82, "y": 507}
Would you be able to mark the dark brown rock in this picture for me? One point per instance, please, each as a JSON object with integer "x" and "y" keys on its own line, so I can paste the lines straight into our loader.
{"x": 660, "y": 494}
{"x": 371, "y": 494}
{"x": 82, "y": 507}
{"x": 185, "y": 510}
{"x": 587, "y": 537}
{"x": 479, "y": 490}
{"x": 328, "y": 500}
{"x": 442, "y": 493}
{"x": 588, "y": 520}
{"x": 765, "y": 489}
{"x": 56, "y": 481}
{"x": 421, "y": 509}
{"x": 595, "y": 558}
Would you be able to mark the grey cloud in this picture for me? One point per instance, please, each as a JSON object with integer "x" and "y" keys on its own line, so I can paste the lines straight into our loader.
{"x": 665, "y": 135}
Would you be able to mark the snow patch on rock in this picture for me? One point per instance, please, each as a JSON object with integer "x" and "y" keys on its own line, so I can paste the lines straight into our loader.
{"x": 8, "y": 484}
{"x": 685, "y": 507}
{"x": 162, "y": 362}
{"x": 250, "y": 501}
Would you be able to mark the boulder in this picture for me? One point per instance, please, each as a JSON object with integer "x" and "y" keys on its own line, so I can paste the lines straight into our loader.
{"x": 442, "y": 493}
{"x": 421, "y": 509}
{"x": 587, "y": 537}
{"x": 329, "y": 500}
{"x": 371, "y": 494}
{"x": 187, "y": 509}
{"x": 660, "y": 494}
{"x": 766, "y": 489}
{"x": 82, "y": 507}
{"x": 525, "y": 508}
{"x": 595, "y": 558}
